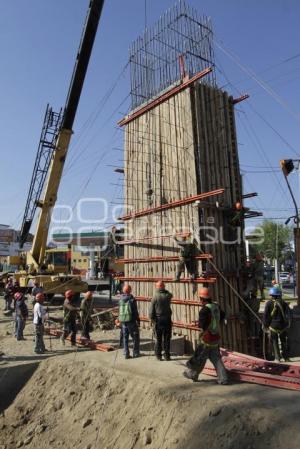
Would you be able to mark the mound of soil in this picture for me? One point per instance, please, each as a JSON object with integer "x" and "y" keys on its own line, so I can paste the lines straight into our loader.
{"x": 90, "y": 400}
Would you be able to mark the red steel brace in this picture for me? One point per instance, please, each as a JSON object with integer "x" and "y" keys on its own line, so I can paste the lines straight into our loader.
{"x": 208, "y": 280}
{"x": 81, "y": 341}
{"x": 160, "y": 259}
{"x": 177, "y": 203}
{"x": 164, "y": 97}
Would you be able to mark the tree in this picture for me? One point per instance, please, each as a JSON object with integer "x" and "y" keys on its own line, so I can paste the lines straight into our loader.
{"x": 276, "y": 240}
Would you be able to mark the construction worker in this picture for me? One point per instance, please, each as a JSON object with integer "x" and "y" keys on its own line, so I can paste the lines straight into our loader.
{"x": 39, "y": 313}
{"x": 70, "y": 314}
{"x": 21, "y": 315}
{"x": 210, "y": 317}
{"x": 8, "y": 294}
{"x": 86, "y": 310}
{"x": 186, "y": 257}
{"x": 130, "y": 322}
{"x": 277, "y": 319}
{"x": 160, "y": 313}
{"x": 238, "y": 214}
{"x": 258, "y": 273}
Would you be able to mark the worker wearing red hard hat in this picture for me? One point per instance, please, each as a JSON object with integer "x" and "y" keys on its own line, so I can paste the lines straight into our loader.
{"x": 39, "y": 313}
{"x": 130, "y": 322}
{"x": 86, "y": 310}
{"x": 160, "y": 314}
{"x": 70, "y": 315}
{"x": 210, "y": 317}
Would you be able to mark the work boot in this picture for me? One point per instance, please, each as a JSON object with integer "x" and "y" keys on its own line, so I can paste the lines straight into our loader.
{"x": 159, "y": 357}
{"x": 190, "y": 376}
{"x": 127, "y": 356}
{"x": 167, "y": 357}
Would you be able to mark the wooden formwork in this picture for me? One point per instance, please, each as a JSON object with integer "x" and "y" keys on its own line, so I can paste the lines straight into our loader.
{"x": 184, "y": 146}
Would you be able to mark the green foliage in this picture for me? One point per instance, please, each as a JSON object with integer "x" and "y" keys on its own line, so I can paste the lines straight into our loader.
{"x": 276, "y": 240}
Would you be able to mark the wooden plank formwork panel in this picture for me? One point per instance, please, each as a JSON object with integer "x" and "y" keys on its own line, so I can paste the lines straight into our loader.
{"x": 184, "y": 146}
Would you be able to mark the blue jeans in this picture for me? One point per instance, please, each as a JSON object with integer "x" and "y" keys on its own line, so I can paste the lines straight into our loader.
{"x": 20, "y": 324}
{"x": 132, "y": 330}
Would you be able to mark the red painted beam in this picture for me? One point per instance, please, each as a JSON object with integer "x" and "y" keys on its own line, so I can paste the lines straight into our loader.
{"x": 269, "y": 380}
{"x": 208, "y": 280}
{"x": 164, "y": 97}
{"x": 177, "y": 203}
{"x": 160, "y": 259}
{"x": 81, "y": 341}
{"x": 236, "y": 360}
{"x": 241, "y": 98}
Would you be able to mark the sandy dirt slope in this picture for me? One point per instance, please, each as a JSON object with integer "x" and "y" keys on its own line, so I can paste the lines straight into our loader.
{"x": 87, "y": 399}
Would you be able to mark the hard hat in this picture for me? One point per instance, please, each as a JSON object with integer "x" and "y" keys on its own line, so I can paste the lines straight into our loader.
{"x": 275, "y": 291}
{"x": 259, "y": 256}
{"x": 36, "y": 282}
{"x": 204, "y": 293}
{"x": 18, "y": 296}
{"x": 88, "y": 295}
{"x": 40, "y": 296}
{"x": 127, "y": 289}
{"x": 160, "y": 285}
{"x": 69, "y": 294}
{"x": 238, "y": 206}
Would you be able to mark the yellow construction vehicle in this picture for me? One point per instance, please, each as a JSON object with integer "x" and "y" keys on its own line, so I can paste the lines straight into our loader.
{"x": 51, "y": 156}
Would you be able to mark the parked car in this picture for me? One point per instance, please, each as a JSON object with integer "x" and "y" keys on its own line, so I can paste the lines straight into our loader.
{"x": 284, "y": 277}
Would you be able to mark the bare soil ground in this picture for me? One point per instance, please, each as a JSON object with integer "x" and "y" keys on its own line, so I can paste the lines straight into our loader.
{"x": 88, "y": 399}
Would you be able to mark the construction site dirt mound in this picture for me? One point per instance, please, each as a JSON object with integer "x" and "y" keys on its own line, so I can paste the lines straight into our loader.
{"x": 88, "y": 400}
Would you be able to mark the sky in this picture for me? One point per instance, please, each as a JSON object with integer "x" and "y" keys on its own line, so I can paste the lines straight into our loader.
{"x": 257, "y": 52}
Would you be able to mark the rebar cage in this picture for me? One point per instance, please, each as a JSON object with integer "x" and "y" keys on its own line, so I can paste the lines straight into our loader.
{"x": 181, "y": 42}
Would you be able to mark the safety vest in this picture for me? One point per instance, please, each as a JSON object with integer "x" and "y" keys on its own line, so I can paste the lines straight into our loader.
{"x": 277, "y": 305}
{"x": 214, "y": 325}
{"x": 211, "y": 336}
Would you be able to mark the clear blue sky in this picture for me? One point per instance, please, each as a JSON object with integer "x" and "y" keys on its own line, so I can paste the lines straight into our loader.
{"x": 38, "y": 44}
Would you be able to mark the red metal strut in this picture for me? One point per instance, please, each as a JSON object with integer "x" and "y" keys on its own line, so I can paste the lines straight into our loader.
{"x": 177, "y": 203}
{"x": 81, "y": 341}
{"x": 164, "y": 97}
{"x": 160, "y": 259}
{"x": 208, "y": 280}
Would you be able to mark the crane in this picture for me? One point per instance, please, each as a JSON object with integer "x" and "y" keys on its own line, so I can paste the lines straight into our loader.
{"x": 53, "y": 149}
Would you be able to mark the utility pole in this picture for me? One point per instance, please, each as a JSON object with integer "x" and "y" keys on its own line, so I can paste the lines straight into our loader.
{"x": 288, "y": 166}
